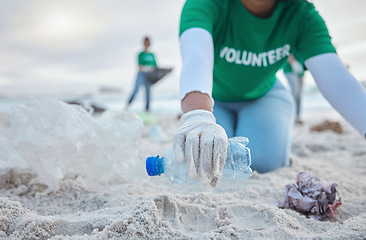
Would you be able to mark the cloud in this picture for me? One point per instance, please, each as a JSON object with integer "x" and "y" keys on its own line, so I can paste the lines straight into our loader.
{"x": 83, "y": 41}
{"x": 95, "y": 42}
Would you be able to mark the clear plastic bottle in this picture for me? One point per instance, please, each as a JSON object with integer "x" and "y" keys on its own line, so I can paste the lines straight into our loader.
{"x": 237, "y": 164}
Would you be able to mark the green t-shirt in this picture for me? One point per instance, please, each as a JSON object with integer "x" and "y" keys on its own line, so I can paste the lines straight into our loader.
{"x": 248, "y": 51}
{"x": 146, "y": 59}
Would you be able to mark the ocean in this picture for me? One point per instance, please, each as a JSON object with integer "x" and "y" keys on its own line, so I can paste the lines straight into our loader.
{"x": 161, "y": 103}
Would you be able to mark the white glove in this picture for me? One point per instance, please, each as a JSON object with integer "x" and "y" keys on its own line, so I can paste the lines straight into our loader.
{"x": 204, "y": 145}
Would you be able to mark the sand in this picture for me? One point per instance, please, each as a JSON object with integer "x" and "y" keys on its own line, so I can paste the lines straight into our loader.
{"x": 154, "y": 208}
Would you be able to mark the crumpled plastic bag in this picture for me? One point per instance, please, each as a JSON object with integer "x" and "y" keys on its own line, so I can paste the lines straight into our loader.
{"x": 57, "y": 140}
{"x": 312, "y": 197}
{"x": 9, "y": 157}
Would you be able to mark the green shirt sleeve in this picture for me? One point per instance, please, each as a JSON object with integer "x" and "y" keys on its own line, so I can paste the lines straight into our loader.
{"x": 313, "y": 38}
{"x": 200, "y": 14}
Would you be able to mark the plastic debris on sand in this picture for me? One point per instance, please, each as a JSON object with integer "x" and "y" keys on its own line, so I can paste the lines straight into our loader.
{"x": 311, "y": 197}
{"x": 59, "y": 140}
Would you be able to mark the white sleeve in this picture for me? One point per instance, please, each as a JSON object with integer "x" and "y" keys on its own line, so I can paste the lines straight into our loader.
{"x": 197, "y": 52}
{"x": 340, "y": 88}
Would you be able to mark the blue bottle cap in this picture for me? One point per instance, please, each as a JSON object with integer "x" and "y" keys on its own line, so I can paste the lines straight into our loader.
{"x": 154, "y": 166}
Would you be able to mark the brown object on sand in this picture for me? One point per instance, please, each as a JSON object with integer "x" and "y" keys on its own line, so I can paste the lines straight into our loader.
{"x": 312, "y": 197}
{"x": 328, "y": 125}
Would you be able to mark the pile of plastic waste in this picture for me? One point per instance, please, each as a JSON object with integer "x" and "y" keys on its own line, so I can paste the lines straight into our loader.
{"x": 58, "y": 140}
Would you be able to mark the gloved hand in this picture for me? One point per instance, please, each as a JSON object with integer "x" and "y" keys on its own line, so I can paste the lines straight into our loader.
{"x": 204, "y": 145}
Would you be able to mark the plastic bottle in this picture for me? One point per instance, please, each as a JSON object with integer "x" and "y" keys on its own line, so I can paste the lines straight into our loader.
{"x": 237, "y": 163}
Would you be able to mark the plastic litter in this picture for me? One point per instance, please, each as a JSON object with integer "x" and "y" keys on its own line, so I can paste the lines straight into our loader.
{"x": 157, "y": 134}
{"x": 9, "y": 157}
{"x": 237, "y": 163}
{"x": 57, "y": 140}
{"x": 311, "y": 197}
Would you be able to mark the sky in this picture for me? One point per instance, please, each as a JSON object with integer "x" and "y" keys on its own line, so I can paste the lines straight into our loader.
{"x": 48, "y": 47}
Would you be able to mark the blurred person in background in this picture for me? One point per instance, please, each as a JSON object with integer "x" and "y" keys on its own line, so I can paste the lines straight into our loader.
{"x": 231, "y": 51}
{"x": 146, "y": 64}
{"x": 294, "y": 73}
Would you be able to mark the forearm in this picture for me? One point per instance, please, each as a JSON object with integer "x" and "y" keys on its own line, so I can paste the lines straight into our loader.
{"x": 340, "y": 88}
{"x": 197, "y": 70}
{"x": 196, "y": 100}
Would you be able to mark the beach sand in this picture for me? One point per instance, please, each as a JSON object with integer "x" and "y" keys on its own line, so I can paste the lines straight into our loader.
{"x": 154, "y": 208}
